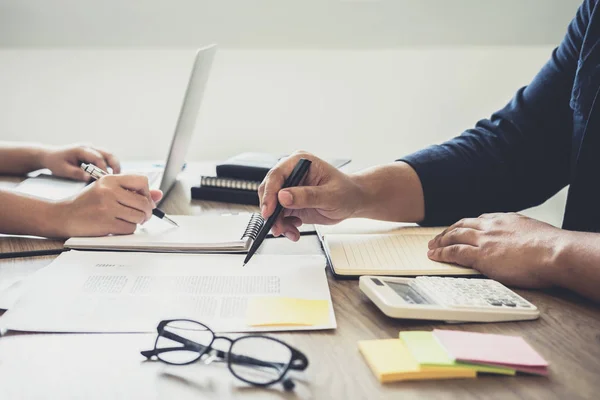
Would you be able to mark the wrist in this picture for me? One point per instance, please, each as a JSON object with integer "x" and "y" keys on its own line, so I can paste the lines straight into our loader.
{"x": 40, "y": 155}
{"x": 55, "y": 222}
{"x": 390, "y": 192}
{"x": 559, "y": 263}
{"x": 363, "y": 196}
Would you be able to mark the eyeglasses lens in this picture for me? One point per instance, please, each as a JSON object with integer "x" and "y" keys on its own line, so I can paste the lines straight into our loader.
{"x": 187, "y": 341}
{"x": 259, "y": 360}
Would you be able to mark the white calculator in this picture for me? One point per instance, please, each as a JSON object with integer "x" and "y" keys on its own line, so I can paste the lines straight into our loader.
{"x": 447, "y": 299}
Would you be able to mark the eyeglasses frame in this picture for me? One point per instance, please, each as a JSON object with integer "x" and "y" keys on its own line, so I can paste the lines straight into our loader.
{"x": 298, "y": 361}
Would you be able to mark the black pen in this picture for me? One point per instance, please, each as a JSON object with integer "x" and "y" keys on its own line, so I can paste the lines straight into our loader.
{"x": 294, "y": 179}
{"x": 32, "y": 253}
{"x": 98, "y": 173}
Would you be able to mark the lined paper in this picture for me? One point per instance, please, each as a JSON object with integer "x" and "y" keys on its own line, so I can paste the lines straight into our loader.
{"x": 379, "y": 254}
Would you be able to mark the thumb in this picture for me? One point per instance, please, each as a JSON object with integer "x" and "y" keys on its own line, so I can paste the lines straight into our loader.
{"x": 156, "y": 195}
{"x": 74, "y": 172}
{"x": 304, "y": 197}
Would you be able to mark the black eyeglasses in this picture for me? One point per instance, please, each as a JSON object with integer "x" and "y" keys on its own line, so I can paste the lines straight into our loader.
{"x": 255, "y": 359}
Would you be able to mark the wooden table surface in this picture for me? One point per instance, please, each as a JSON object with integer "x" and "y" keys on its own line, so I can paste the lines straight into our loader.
{"x": 109, "y": 366}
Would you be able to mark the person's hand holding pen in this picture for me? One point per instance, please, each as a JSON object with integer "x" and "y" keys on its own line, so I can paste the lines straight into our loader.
{"x": 325, "y": 196}
{"x": 114, "y": 204}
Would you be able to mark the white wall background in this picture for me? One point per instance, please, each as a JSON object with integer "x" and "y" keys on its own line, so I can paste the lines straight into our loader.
{"x": 283, "y": 23}
{"x": 372, "y": 80}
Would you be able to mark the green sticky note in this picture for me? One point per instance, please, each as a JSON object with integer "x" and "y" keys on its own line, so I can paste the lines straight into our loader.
{"x": 426, "y": 349}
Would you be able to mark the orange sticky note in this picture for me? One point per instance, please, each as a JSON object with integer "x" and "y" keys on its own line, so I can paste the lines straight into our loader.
{"x": 265, "y": 311}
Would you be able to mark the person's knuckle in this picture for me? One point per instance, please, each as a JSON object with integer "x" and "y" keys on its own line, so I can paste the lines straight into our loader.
{"x": 272, "y": 176}
{"x": 460, "y": 222}
{"x": 311, "y": 195}
{"x": 454, "y": 252}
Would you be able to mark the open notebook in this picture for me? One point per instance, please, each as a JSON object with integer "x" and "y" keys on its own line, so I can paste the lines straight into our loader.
{"x": 195, "y": 234}
{"x": 364, "y": 247}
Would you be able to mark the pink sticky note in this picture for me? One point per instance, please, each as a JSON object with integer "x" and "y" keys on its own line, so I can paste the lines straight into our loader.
{"x": 500, "y": 350}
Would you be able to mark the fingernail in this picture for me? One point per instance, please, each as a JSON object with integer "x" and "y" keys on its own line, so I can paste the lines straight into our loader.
{"x": 430, "y": 243}
{"x": 290, "y": 235}
{"x": 286, "y": 198}
{"x": 430, "y": 252}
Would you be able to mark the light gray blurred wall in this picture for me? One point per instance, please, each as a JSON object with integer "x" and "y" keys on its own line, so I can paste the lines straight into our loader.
{"x": 283, "y": 23}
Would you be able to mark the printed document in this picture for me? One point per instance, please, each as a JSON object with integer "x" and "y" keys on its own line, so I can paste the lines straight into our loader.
{"x": 84, "y": 291}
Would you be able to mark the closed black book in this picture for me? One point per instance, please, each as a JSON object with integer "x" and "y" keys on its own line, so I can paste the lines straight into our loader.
{"x": 238, "y": 196}
{"x": 247, "y": 166}
{"x": 254, "y": 166}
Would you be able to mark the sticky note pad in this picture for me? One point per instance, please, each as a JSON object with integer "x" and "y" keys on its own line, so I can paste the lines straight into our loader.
{"x": 497, "y": 350}
{"x": 426, "y": 349}
{"x": 390, "y": 361}
{"x": 265, "y": 311}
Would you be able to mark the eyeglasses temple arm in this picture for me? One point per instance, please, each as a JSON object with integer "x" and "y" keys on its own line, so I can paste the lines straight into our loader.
{"x": 149, "y": 353}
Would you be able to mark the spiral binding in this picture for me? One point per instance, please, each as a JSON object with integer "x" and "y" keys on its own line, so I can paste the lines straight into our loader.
{"x": 254, "y": 225}
{"x": 229, "y": 183}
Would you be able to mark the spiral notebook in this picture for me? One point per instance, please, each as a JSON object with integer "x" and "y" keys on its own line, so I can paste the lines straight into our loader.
{"x": 195, "y": 234}
{"x": 229, "y": 183}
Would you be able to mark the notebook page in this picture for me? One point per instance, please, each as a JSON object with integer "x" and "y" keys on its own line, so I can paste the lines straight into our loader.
{"x": 370, "y": 226}
{"x": 194, "y": 232}
{"x": 396, "y": 254}
{"x": 131, "y": 292}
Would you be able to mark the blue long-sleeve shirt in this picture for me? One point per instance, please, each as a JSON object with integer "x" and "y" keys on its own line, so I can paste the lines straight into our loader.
{"x": 547, "y": 137}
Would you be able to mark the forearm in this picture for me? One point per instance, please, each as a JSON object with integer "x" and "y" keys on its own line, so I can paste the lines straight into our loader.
{"x": 390, "y": 192}
{"x": 577, "y": 263}
{"x": 19, "y": 159}
{"x": 24, "y": 215}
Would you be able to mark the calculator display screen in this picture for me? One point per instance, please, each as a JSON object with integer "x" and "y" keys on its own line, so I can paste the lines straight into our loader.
{"x": 407, "y": 293}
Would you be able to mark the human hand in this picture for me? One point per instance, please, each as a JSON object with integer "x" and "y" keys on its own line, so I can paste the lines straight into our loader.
{"x": 114, "y": 204}
{"x": 325, "y": 196}
{"x": 65, "y": 161}
{"x": 510, "y": 248}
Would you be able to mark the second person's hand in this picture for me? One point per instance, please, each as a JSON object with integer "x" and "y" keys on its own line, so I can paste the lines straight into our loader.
{"x": 326, "y": 196}
{"x": 114, "y": 204}
{"x": 65, "y": 161}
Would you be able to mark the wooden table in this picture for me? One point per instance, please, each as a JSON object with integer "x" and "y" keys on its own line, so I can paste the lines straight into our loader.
{"x": 109, "y": 366}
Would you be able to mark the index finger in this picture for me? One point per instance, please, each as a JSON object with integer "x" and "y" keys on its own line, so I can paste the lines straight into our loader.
{"x": 111, "y": 160}
{"x": 135, "y": 183}
{"x": 273, "y": 182}
{"x": 91, "y": 155}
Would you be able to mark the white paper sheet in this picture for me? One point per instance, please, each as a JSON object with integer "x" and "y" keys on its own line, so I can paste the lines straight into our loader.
{"x": 132, "y": 292}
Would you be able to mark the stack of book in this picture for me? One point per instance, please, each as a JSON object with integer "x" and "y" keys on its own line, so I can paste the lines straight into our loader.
{"x": 238, "y": 178}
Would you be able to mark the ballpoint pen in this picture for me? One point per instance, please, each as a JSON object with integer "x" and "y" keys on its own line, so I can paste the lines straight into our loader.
{"x": 98, "y": 173}
{"x": 294, "y": 179}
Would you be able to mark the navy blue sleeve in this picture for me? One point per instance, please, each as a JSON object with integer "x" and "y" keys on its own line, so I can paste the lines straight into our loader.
{"x": 516, "y": 159}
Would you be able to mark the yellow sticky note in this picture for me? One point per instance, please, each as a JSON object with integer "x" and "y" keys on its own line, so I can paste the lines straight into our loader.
{"x": 265, "y": 311}
{"x": 390, "y": 361}
{"x": 428, "y": 351}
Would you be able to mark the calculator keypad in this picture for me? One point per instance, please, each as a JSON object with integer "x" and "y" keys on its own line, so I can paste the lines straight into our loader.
{"x": 469, "y": 293}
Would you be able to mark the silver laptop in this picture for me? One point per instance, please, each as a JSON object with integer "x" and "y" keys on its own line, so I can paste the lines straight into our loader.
{"x": 159, "y": 177}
